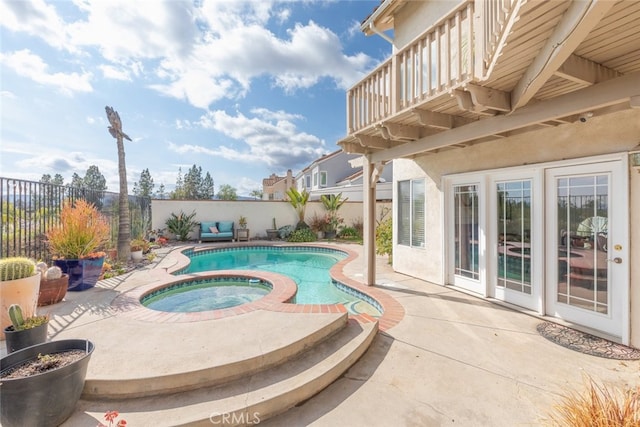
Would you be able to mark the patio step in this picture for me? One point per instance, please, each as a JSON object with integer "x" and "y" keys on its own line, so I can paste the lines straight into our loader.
{"x": 246, "y": 400}
{"x": 246, "y": 358}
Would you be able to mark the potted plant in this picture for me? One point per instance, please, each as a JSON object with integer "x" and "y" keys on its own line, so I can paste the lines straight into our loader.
{"x": 53, "y": 284}
{"x": 318, "y": 225}
{"x": 19, "y": 284}
{"x": 242, "y": 222}
{"x": 41, "y": 384}
{"x": 76, "y": 242}
{"x": 272, "y": 233}
{"x": 332, "y": 203}
{"x": 24, "y": 332}
{"x": 138, "y": 247}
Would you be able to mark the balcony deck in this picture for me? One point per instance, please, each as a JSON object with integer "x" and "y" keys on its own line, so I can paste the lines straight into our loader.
{"x": 490, "y": 58}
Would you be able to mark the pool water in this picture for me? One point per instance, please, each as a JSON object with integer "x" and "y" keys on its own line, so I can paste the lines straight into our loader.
{"x": 308, "y": 268}
{"x": 206, "y": 295}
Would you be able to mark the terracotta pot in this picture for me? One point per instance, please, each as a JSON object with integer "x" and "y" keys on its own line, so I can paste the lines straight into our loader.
{"x": 23, "y": 292}
{"x": 52, "y": 291}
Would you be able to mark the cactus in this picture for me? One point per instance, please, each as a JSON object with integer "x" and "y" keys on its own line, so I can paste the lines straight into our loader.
{"x": 15, "y": 314}
{"x": 42, "y": 267}
{"x": 18, "y": 321}
{"x": 274, "y": 224}
{"x": 52, "y": 273}
{"x": 16, "y": 268}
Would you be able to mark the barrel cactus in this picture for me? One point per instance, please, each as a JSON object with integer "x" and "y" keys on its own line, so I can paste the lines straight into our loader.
{"x": 16, "y": 268}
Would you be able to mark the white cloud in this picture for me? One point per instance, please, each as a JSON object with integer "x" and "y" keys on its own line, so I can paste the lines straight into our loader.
{"x": 111, "y": 72}
{"x": 36, "y": 18}
{"x": 27, "y": 64}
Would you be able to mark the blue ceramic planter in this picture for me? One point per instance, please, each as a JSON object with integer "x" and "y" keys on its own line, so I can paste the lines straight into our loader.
{"x": 83, "y": 273}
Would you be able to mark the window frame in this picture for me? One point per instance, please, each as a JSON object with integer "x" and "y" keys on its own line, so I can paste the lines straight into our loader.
{"x": 412, "y": 234}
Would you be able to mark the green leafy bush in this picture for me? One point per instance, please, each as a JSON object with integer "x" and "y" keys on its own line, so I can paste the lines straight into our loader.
{"x": 349, "y": 233}
{"x": 181, "y": 225}
{"x": 302, "y": 235}
{"x": 384, "y": 238}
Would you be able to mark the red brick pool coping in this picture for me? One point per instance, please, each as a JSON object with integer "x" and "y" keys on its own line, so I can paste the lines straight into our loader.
{"x": 284, "y": 289}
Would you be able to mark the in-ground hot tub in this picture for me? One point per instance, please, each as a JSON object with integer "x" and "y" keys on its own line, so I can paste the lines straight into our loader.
{"x": 212, "y": 293}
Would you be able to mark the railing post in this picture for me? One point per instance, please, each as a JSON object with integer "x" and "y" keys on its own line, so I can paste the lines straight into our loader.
{"x": 479, "y": 35}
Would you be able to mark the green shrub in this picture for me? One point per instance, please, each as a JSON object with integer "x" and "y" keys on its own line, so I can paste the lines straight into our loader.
{"x": 349, "y": 233}
{"x": 181, "y": 225}
{"x": 302, "y": 235}
{"x": 384, "y": 238}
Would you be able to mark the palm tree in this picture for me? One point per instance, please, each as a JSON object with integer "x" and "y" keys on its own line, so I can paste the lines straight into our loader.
{"x": 124, "y": 224}
{"x": 299, "y": 202}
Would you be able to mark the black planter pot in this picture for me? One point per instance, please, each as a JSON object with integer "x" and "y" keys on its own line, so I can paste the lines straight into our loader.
{"x": 17, "y": 340}
{"x": 46, "y": 399}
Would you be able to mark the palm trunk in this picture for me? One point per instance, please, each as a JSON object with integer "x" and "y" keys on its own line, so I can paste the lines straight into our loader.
{"x": 124, "y": 228}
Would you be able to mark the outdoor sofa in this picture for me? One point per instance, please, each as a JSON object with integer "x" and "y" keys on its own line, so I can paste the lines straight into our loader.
{"x": 210, "y": 231}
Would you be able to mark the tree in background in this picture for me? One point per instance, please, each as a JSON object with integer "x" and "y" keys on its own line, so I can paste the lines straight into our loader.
{"x": 207, "y": 192}
{"x": 56, "y": 180}
{"x": 256, "y": 194}
{"x": 124, "y": 224}
{"x": 160, "y": 194}
{"x": 193, "y": 186}
{"x": 227, "y": 192}
{"x": 144, "y": 187}
{"x": 76, "y": 181}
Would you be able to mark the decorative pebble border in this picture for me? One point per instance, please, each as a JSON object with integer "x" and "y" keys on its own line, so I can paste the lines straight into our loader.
{"x": 278, "y": 299}
{"x": 586, "y": 343}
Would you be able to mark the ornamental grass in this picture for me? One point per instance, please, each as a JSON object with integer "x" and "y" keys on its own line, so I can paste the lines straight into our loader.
{"x": 598, "y": 406}
{"x": 81, "y": 231}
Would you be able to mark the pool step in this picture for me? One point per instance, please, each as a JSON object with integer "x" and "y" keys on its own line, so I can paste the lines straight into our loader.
{"x": 210, "y": 362}
{"x": 246, "y": 400}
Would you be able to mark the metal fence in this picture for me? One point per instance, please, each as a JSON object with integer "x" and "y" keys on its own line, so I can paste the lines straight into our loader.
{"x": 29, "y": 209}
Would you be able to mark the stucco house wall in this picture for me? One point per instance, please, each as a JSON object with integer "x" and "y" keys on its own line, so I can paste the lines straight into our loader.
{"x": 613, "y": 133}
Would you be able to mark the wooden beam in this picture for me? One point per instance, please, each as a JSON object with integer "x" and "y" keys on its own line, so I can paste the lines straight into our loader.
{"x": 352, "y": 147}
{"x": 433, "y": 119}
{"x": 579, "y": 19}
{"x": 486, "y": 98}
{"x": 465, "y": 102}
{"x": 608, "y": 93}
{"x": 373, "y": 141}
{"x": 398, "y": 132}
{"x": 583, "y": 71}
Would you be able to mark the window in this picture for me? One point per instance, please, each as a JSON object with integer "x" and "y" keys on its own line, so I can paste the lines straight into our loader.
{"x": 308, "y": 181}
{"x": 323, "y": 179}
{"x": 411, "y": 213}
{"x": 315, "y": 179}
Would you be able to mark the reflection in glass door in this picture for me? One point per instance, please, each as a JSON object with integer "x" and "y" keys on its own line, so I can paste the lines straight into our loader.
{"x": 583, "y": 212}
{"x": 466, "y": 231}
{"x": 514, "y": 236}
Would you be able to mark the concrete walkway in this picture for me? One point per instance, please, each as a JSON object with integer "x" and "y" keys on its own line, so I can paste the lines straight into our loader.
{"x": 453, "y": 359}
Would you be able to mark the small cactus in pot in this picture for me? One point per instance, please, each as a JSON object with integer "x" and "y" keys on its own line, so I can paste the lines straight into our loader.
{"x": 19, "y": 284}
{"x": 24, "y": 332}
{"x": 53, "y": 284}
{"x": 19, "y": 323}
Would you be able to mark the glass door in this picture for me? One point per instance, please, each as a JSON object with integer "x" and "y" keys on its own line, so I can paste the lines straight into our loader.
{"x": 587, "y": 274}
{"x": 516, "y": 239}
{"x": 467, "y": 234}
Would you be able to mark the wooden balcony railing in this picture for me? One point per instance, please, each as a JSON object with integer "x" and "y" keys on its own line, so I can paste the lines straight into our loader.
{"x": 441, "y": 58}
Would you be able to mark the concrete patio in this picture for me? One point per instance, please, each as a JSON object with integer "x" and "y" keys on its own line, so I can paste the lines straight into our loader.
{"x": 453, "y": 359}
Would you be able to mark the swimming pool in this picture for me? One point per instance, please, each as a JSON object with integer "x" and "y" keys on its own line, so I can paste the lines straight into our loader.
{"x": 308, "y": 267}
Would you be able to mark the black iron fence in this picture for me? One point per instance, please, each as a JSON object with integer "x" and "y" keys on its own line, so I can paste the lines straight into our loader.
{"x": 29, "y": 209}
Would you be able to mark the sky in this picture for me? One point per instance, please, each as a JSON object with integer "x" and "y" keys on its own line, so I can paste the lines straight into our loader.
{"x": 242, "y": 89}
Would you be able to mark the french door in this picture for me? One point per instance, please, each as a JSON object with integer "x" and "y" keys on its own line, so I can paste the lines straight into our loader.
{"x": 549, "y": 238}
{"x": 587, "y": 246}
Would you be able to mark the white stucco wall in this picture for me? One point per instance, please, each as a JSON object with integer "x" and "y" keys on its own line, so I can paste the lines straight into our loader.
{"x": 613, "y": 133}
{"x": 259, "y": 213}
